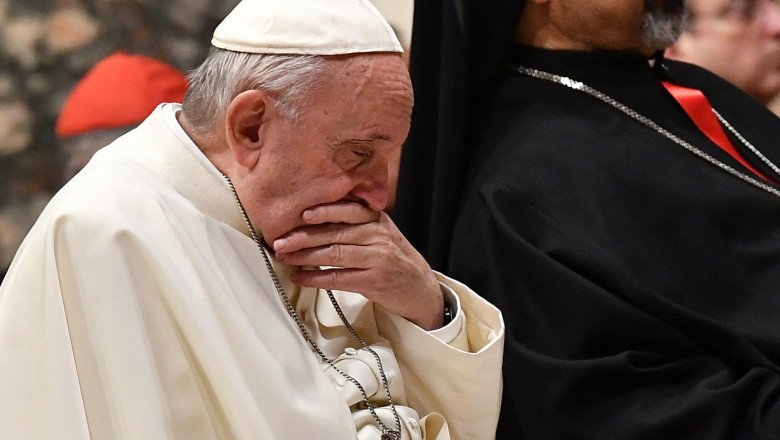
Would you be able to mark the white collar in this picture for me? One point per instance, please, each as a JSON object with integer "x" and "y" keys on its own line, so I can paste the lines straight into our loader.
{"x": 170, "y": 109}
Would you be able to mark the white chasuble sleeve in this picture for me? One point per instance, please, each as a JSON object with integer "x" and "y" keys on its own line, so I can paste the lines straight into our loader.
{"x": 460, "y": 380}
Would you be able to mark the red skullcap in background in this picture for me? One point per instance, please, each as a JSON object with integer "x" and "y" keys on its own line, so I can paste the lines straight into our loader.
{"x": 121, "y": 89}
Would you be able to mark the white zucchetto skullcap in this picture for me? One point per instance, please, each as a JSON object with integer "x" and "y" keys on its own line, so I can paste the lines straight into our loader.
{"x": 305, "y": 27}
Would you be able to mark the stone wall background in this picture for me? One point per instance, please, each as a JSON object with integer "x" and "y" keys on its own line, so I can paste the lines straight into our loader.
{"x": 46, "y": 46}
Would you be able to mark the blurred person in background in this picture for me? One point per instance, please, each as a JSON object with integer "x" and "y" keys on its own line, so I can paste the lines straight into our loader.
{"x": 116, "y": 95}
{"x": 738, "y": 40}
{"x": 112, "y": 98}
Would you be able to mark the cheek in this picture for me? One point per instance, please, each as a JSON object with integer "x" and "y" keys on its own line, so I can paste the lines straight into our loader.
{"x": 393, "y": 166}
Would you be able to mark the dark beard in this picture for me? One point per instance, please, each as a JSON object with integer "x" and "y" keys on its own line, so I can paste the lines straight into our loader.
{"x": 664, "y": 21}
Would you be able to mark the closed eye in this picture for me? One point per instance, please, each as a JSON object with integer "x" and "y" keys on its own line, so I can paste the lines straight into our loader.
{"x": 362, "y": 153}
{"x": 353, "y": 154}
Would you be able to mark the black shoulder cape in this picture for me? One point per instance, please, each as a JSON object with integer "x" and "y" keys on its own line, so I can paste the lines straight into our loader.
{"x": 640, "y": 284}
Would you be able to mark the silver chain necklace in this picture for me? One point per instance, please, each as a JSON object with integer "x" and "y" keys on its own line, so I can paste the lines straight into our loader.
{"x": 582, "y": 87}
{"x": 387, "y": 433}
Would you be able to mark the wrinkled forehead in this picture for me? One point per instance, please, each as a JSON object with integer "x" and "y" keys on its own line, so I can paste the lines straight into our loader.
{"x": 363, "y": 89}
{"x": 384, "y": 72}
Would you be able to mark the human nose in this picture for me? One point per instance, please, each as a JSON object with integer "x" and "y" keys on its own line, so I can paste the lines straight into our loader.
{"x": 372, "y": 184}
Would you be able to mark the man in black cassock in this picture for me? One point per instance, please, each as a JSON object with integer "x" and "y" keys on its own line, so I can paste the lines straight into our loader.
{"x": 635, "y": 256}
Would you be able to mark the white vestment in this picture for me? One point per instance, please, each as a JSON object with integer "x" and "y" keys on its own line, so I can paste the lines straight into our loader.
{"x": 139, "y": 308}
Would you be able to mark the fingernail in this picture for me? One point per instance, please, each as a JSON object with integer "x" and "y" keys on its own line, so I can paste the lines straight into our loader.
{"x": 280, "y": 244}
{"x": 308, "y": 216}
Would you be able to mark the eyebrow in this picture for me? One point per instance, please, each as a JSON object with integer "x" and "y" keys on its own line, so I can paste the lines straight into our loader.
{"x": 373, "y": 137}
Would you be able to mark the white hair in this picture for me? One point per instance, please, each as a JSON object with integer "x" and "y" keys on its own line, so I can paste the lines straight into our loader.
{"x": 288, "y": 79}
{"x": 663, "y": 25}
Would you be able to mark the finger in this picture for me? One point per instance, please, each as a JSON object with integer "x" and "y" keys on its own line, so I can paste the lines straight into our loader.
{"x": 335, "y": 255}
{"x": 344, "y": 212}
{"x": 323, "y": 235}
{"x": 348, "y": 280}
{"x": 419, "y": 304}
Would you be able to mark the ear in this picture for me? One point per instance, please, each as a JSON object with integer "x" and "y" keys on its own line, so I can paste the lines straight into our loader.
{"x": 243, "y": 120}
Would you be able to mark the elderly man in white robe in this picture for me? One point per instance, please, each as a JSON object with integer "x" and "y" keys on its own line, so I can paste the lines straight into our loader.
{"x": 192, "y": 282}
